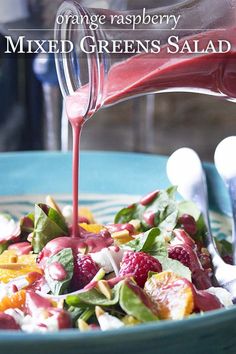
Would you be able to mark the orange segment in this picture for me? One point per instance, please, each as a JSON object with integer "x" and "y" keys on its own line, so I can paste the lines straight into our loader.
{"x": 86, "y": 213}
{"x": 16, "y": 300}
{"x": 13, "y": 266}
{"x": 5, "y": 257}
{"x": 94, "y": 228}
{"x": 172, "y": 295}
{"x": 121, "y": 237}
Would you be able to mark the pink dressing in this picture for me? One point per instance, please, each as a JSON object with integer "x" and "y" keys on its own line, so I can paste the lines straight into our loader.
{"x": 149, "y": 218}
{"x": 203, "y": 300}
{"x": 57, "y": 271}
{"x": 148, "y": 199}
{"x": 34, "y": 302}
{"x": 21, "y": 248}
{"x": 91, "y": 242}
{"x": 121, "y": 227}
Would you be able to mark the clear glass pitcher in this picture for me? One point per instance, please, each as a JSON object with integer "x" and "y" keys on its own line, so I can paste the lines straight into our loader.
{"x": 192, "y": 50}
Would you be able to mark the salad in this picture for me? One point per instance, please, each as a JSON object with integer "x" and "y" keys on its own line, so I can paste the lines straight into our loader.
{"x": 149, "y": 265}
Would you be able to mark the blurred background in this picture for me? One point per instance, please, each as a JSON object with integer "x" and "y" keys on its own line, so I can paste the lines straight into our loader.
{"x": 31, "y": 103}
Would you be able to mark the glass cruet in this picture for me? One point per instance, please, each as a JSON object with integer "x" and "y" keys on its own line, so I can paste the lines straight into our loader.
{"x": 93, "y": 77}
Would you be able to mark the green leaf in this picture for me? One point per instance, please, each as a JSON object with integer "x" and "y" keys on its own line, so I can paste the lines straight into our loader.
{"x": 48, "y": 224}
{"x": 143, "y": 241}
{"x": 175, "y": 266}
{"x": 171, "y": 191}
{"x": 188, "y": 207}
{"x": 224, "y": 247}
{"x": 201, "y": 230}
{"x": 27, "y": 223}
{"x": 163, "y": 206}
{"x": 65, "y": 258}
{"x": 169, "y": 222}
{"x": 152, "y": 242}
{"x": 3, "y": 247}
{"x": 126, "y": 214}
{"x": 94, "y": 297}
{"x": 84, "y": 312}
{"x": 135, "y": 302}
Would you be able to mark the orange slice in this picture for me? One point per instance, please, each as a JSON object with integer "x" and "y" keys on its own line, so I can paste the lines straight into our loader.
{"x": 94, "y": 228}
{"x": 86, "y": 213}
{"x": 13, "y": 266}
{"x": 16, "y": 300}
{"x": 172, "y": 295}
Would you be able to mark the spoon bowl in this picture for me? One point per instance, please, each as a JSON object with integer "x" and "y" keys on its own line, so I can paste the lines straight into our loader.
{"x": 225, "y": 163}
{"x": 185, "y": 170}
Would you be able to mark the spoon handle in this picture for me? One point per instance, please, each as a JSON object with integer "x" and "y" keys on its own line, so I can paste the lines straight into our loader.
{"x": 202, "y": 201}
{"x": 232, "y": 193}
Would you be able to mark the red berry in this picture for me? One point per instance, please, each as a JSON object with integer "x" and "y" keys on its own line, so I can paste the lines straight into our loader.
{"x": 84, "y": 271}
{"x": 188, "y": 257}
{"x": 138, "y": 264}
{"x": 178, "y": 252}
{"x": 8, "y": 322}
{"x": 188, "y": 223}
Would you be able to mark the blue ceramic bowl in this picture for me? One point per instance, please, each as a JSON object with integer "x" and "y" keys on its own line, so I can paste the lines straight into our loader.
{"x": 115, "y": 173}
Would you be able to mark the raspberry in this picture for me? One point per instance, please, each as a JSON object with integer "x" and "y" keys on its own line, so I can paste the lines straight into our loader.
{"x": 8, "y": 322}
{"x": 184, "y": 254}
{"x": 180, "y": 255}
{"x": 84, "y": 271}
{"x": 138, "y": 264}
{"x": 188, "y": 257}
{"x": 188, "y": 223}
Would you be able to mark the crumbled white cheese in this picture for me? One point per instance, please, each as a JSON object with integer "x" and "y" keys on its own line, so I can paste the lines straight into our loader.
{"x": 106, "y": 322}
{"x": 108, "y": 259}
{"x": 223, "y": 295}
{"x": 67, "y": 212}
{"x": 32, "y": 324}
{"x": 7, "y": 289}
{"x": 8, "y": 228}
{"x": 17, "y": 314}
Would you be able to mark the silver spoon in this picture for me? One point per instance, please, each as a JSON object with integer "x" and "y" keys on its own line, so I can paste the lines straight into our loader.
{"x": 225, "y": 162}
{"x": 185, "y": 170}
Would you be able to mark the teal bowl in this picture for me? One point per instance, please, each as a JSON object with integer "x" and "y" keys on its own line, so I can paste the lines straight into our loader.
{"x": 102, "y": 174}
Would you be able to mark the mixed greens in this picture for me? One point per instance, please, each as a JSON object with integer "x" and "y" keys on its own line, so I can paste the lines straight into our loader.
{"x": 150, "y": 265}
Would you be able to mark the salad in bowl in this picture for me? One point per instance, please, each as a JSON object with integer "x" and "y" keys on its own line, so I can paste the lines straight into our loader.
{"x": 151, "y": 264}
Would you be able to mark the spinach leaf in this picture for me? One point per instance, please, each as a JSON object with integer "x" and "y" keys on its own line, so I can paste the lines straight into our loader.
{"x": 65, "y": 258}
{"x": 26, "y": 226}
{"x": 175, "y": 266}
{"x": 27, "y": 223}
{"x": 188, "y": 207}
{"x": 3, "y": 247}
{"x": 48, "y": 224}
{"x": 163, "y": 207}
{"x": 135, "y": 302}
{"x": 94, "y": 297}
{"x": 152, "y": 242}
{"x": 83, "y": 311}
